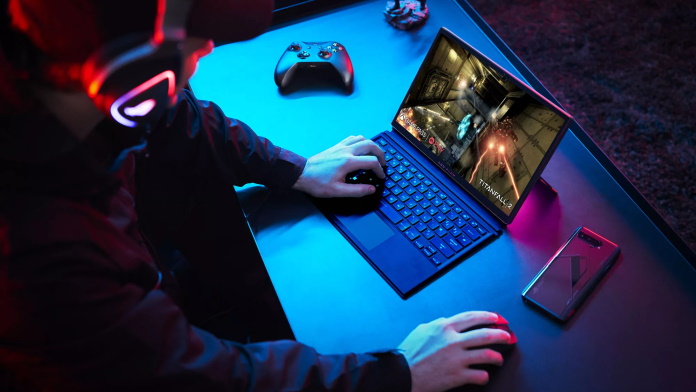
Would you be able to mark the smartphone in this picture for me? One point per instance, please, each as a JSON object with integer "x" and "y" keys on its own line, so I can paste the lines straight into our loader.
{"x": 571, "y": 274}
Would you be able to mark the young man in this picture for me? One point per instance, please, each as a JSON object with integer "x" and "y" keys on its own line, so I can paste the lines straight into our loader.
{"x": 85, "y": 303}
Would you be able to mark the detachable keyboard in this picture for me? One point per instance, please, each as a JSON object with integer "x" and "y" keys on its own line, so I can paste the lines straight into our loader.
{"x": 429, "y": 217}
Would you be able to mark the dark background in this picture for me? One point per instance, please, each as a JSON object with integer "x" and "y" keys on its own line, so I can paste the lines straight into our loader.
{"x": 625, "y": 69}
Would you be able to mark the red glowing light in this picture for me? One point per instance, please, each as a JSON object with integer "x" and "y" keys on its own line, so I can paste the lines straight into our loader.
{"x": 512, "y": 179}
{"x": 477, "y": 166}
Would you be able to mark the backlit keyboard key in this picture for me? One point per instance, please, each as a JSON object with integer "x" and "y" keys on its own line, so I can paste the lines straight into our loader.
{"x": 442, "y": 247}
{"x": 390, "y": 213}
{"x": 471, "y": 232}
{"x": 412, "y": 234}
{"x": 453, "y": 243}
{"x": 437, "y": 260}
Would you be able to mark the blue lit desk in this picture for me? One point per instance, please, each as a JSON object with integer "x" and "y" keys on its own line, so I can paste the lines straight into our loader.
{"x": 635, "y": 333}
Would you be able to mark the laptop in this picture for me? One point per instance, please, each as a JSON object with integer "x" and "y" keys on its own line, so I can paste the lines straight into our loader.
{"x": 466, "y": 146}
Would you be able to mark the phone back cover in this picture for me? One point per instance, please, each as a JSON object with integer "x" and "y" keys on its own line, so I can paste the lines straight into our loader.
{"x": 571, "y": 273}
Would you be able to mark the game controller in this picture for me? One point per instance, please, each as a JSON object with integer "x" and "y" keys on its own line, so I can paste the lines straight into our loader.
{"x": 317, "y": 56}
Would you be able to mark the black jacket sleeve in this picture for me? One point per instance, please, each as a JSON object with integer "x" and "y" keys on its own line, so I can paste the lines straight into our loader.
{"x": 197, "y": 137}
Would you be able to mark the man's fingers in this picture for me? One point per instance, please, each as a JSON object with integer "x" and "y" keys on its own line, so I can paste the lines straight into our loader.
{"x": 365, "y": 162}
{"x": 350, "y": 140}
{"x": 354, "y": 190}
{"x": 476, "y": 376}
{"x": 463, "y": 321}
{"x": 484, "y": 357}
{"x": 484, "y": 336}
{"x": 368, "y": 147}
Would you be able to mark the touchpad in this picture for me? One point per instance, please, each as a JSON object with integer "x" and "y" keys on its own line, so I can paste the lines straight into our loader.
{"x": 369, "y": 229}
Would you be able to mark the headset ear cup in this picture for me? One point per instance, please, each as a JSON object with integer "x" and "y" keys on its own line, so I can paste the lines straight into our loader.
{"x": 135, "y": 86}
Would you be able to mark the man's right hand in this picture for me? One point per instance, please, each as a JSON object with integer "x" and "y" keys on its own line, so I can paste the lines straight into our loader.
{"x": 438, "y": 353}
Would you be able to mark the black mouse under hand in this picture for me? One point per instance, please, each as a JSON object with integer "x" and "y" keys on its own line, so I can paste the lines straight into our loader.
{"x": 366, "y": 177}
{"x": 502, "y": 348}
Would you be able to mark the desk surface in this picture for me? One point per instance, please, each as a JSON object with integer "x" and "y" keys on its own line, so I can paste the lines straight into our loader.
{"x": 635, "y": 331}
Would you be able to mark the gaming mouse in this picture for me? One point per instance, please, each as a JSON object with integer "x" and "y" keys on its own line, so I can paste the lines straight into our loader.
{"x": 366, "y": 177}
{"x": 502, "y": 348}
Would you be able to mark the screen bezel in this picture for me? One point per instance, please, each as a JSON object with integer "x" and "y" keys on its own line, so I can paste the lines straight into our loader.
{"x": 470, "y": 189}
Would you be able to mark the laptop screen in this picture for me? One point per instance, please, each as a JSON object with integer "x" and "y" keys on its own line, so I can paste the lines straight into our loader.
{"x": 489, "y": 131}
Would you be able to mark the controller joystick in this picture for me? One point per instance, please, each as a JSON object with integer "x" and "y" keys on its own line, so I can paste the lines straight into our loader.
{"x": 315, "y": 58}
{"x": 325, "y": 53}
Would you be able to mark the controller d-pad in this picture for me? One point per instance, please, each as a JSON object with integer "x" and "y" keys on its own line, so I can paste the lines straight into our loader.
{"x": 295, "y": 47}
{"x": 303, "y": 54}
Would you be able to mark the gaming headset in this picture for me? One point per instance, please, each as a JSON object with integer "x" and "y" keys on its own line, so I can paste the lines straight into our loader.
{"x": 131, "y": 80}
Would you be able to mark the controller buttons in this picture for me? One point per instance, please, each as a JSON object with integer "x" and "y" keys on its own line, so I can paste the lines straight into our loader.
{"x": 303, "y": 54}
{"x": 295, "y": 47}
{"x": 325, "y": 54}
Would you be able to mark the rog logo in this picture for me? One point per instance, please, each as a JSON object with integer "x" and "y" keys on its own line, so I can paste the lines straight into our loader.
{"x": 140, "y": 109}
{"x": 144, "y": 107}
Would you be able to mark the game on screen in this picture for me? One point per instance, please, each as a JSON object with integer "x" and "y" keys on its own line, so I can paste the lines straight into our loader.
{"x": 487, "y": 130}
